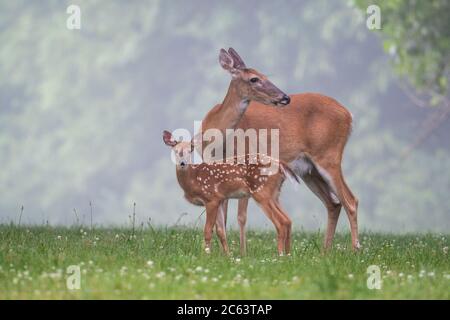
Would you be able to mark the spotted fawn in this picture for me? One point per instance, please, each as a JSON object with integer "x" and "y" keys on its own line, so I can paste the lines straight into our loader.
{"x": 209, "y": 184}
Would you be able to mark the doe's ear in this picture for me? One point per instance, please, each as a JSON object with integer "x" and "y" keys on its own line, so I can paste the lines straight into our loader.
{"x": 226, "y": 61}
{"x": 238, "y": 63}
{"x": 167, "y": 138}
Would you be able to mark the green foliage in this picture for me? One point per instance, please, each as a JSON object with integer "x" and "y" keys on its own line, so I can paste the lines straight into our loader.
{"x": 417, "y": 35}
{"x": 170, "y": 264}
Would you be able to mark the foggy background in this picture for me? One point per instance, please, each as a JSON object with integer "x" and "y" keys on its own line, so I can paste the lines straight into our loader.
{"x": 82, "y": 111}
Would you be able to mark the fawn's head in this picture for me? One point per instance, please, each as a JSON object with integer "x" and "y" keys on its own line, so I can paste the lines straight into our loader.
{"x": 252, "y": 85}
{"x": 183, "y": 150}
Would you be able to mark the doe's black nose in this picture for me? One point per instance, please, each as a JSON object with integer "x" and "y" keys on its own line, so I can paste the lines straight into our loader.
{"x": 285, "y": 100}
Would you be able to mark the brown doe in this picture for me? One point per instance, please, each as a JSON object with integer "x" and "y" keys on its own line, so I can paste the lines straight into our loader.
{"x": 313, "y": 131}
{"x": 209, "y": 184}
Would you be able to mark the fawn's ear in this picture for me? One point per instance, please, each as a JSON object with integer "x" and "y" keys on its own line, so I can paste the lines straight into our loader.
{"x": 167, "y": 137}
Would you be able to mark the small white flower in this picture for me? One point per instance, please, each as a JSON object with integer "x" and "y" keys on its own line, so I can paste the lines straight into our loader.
{"x": 161, "y": 275}
{"x": 150, "y": 263}
{"x": 199, "y": 269}
{"x": 59, "y": 237}
{"x": 350, "y": 276}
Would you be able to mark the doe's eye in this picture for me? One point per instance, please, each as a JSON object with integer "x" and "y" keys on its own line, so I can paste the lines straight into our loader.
{"x": 254, "y": 80}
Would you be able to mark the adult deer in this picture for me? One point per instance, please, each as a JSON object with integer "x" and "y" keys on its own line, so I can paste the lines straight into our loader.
{"x": 313, "y": 131}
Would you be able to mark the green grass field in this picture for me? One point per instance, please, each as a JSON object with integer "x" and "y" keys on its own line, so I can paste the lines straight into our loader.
{"x": 169, "y": 263}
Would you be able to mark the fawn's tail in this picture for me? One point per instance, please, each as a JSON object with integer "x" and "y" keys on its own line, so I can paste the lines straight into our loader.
{"x": 287, "y": 171}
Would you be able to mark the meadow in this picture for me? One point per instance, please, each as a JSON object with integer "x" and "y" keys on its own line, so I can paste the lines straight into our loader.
{"x": 169, "y": 263}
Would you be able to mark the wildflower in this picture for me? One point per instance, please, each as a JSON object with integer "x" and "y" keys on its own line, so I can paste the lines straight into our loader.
{"x": 59, "y": 237}
{"x": 161, "y": 275}
{"x": 350, "y": 276}
{"x": 150, "y": 263}
{"x": 445, "y": 249}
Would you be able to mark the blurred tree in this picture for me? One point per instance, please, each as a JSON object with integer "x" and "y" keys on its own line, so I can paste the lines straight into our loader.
{"x": 417, "y": 35}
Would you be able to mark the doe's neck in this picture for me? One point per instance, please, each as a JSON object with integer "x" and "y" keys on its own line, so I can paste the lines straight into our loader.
{"x": 233, "y": 106}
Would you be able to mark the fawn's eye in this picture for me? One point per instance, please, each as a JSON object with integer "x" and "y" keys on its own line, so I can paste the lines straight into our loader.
{"x": 254, "y": 80}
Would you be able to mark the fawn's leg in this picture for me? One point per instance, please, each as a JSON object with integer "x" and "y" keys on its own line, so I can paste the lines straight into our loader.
{"x": 267, "y": 207}
{"x": 211, "y": 216}
{"x": 242, "y": 220}
{"x": 221, "y": 228}
{"x": 287, "y": 222}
